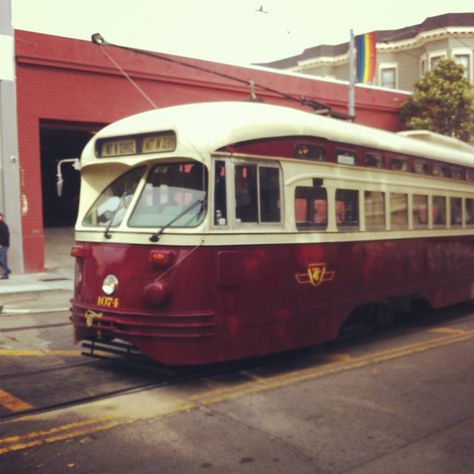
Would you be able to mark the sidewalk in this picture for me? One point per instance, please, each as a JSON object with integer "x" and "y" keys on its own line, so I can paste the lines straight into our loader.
{"x": 47, "y": 291}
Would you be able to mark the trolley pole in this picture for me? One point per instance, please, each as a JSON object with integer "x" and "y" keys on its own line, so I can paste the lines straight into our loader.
{"x": 10, "y": 193}
{"x": 351, "y": 78}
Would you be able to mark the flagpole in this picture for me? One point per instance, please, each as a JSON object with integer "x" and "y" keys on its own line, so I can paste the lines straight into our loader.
{"x": 351, "y": 78}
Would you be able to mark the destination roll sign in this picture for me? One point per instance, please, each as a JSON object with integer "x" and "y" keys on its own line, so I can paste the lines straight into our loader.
{"x": 161, "y": 142}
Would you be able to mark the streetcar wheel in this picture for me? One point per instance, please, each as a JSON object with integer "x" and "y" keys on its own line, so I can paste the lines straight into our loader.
{"x": 384, "y": 316}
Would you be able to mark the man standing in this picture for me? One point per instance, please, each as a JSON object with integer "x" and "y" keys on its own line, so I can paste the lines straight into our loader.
{"x": 4, "y": 244}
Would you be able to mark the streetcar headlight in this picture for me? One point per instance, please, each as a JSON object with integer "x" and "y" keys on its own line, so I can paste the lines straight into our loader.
{"x": 109, "y": 285}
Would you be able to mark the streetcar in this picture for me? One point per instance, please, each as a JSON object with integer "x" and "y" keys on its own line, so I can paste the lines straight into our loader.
{"x": 219, "y": 231}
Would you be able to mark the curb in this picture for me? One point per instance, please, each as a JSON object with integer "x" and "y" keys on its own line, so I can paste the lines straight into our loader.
{"x": 5, "y": 311}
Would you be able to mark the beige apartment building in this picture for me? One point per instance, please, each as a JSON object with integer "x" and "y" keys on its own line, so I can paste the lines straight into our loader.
{"x": 403, "y": 55}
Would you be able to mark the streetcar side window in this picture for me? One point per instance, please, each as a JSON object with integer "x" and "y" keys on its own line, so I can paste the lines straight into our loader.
{"x": 421, "y": 167}
{"x": 439, "y": 170}
{"x": 420, "y": 211}
{"x": 246, "y": 204}
{"x": 220, "y": 194}
{"x": 311, "y": 208}
{"x": 456, "y": 173}
{"x": 347, "y": 209}
{"x": 257, "y": 194}
{"x": 439, "y": 211}
{"x": 308, "y": 151}
{"x": 455, "y": 207}
{"x": 399, "y": 211}
{"x": 373, "y": 160}
{"x": 469, "y": 209}
{"x": 398, "y": 164}
{"x": 374, "y": 207}
{"x": 269, "y": 183}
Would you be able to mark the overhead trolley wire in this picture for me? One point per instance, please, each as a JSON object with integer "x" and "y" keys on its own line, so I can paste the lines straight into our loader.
{"x": 127, "y": 76}
{"x": 318, "y": 107}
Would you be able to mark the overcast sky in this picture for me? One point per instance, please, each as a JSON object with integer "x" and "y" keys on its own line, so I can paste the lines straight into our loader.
{"x": 230, "y": 31}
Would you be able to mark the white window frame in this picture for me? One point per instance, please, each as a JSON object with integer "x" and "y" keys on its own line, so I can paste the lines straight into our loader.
{"x": 423, "y": 61}
{"x": 441, "y": 53}
{"x": 465, "y": 52}
{"x": 384, "y": 66}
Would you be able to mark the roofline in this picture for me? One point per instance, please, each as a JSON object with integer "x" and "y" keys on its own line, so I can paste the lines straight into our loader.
{"x": 446, "y": 25}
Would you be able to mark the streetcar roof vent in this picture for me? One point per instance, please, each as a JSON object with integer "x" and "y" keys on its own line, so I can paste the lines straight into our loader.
{"x": 438, "y": 139}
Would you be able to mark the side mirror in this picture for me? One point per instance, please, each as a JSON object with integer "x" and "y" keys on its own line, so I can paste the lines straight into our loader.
{"x": 59, "y": 187}
{"x": 59, "y": 177}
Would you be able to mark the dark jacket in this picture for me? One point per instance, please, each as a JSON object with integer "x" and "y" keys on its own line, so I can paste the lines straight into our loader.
{"x": 4, "y": 234}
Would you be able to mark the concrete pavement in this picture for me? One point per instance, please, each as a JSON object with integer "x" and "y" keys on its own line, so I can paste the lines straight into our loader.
{"x": 36, "y": 293}
{"x": 48, "y": 291}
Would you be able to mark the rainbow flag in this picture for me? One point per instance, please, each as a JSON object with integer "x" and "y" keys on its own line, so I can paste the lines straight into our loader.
{"x": 366, "y": 56}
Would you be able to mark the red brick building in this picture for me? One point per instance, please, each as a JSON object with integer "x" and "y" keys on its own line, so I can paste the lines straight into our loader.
{"x": 67, "y": 89}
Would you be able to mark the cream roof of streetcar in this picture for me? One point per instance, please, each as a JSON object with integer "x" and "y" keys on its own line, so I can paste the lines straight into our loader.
{"x": 203, "y": 128}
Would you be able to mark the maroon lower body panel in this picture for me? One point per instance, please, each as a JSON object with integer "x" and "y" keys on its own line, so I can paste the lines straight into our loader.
{"x": 222, "y": 303}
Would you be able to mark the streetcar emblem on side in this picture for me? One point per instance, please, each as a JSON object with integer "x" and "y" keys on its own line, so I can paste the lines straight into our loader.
{"x": 316, "y": 274}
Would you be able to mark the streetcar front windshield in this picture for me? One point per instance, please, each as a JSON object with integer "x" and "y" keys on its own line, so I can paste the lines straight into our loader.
{"x": 111, "y": 206}
{"x": 174, "y": 196}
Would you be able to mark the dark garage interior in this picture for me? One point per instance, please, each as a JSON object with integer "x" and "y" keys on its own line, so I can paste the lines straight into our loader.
{"x": 60, "y": 141}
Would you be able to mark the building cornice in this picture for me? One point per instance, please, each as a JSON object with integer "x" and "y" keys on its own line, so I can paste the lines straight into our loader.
{"x": 417, "y": 41}
{"x": 426, "y": 37}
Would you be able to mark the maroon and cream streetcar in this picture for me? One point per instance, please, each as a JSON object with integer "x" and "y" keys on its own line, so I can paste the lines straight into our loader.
{"x": 219, "y": 231}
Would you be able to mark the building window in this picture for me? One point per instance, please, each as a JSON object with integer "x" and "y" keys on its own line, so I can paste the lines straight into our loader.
{"x": 434, "y": 61}
{"x": 388, "y": 77}
{"x": 464, "y": 60}
{"x": 423, "y": 67}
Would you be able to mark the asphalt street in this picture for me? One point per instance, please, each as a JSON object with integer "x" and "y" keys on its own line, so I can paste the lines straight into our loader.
{"x": 392, "y": 402}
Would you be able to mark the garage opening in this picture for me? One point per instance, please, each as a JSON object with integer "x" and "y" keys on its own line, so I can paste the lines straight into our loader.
{"x": 58, "y": 141}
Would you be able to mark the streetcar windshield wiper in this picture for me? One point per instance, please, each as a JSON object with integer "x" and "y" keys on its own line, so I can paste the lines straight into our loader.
{"x": 120, "y": 205}
{"x": 156, "y": 236}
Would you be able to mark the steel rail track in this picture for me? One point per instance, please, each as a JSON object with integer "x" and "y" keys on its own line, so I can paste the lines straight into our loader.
{"x": 168, "y": 376}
